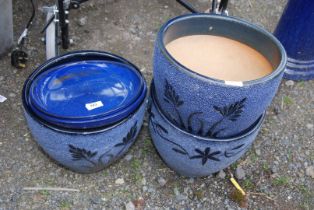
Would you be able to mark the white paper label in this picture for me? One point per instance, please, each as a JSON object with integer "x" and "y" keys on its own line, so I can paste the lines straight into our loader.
{"x": 234, "y": 83}
{"x": 2, "y": 99}
{"x": 93, "y": 105}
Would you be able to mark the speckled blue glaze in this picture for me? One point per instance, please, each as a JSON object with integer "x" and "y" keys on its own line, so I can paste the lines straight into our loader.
{"x": 295, "y": 31}
{"x": 206, "y": 106}
{"x": 195, "y": 156}
{"x": 86, "y": 151}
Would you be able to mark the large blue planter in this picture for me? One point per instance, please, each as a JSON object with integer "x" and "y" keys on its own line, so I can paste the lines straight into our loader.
{"x": 295, "y": 30}
{"x": 209, "y": 107}
{"x": 195, "y": 156}
{"x": 84, "y": 148}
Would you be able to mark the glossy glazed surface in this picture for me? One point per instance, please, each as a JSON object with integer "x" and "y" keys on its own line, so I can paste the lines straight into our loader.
{"x": 85, "y": 89}
{"x": 296, "y": 33}
{"x": 83, "y": 150}
{"x": 94, "y": 122}
{"x": 70, "y": 76}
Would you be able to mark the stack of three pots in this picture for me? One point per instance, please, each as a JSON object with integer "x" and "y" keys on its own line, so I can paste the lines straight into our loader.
{"x": 201, "y": 125}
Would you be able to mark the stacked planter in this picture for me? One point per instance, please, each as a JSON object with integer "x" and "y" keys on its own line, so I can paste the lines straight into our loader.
{"x": 201, "y": 125}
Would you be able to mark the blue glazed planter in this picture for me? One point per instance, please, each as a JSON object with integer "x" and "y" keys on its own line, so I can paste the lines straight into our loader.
{"x": 209, "y": 107}
{"x": 296, "y": 33}
{"x": 88, "y": 149}
{"x": 192, "y": 155}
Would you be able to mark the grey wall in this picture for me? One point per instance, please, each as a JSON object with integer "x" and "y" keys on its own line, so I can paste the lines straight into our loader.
{"x": 6, "y": 25}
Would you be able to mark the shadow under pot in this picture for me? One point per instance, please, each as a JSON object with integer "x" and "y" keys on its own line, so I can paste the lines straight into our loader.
{"x": 195, "y": 102}
{"x": 192, "y": 155}
{"x": 85, "y": 109}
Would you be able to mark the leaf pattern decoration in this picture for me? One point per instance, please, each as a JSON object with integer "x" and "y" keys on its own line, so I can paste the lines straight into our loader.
{"x": 233, "y": 111}
{"x": 129, "y": 137}
{"x": 161, "y": 129}
{"x": 80, "y": 153}
{"x": 234, "y": 151}
{"x": 190, "y": 121}
{"x": 180, "y": 151}
{"x": 206, "y": 155}
{"x": 170, "y": 95}
{"x": 213, "y": 134}
{"x": 149, "y": 110}
{"x": 195, "y": 123}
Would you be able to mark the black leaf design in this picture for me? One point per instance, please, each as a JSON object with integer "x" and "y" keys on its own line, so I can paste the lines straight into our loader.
{"x": 234, "y": 151}
{"x": 129, "y": 137}
{"x": 215, "y": 134}
{"x": 206, "y": 155}
{"x": 233, "y": 111}
{"x": 190, "y": 120}
{"x": 171, "y": 95}
{"x": 200, "y": 130}
{"x": 180, "y": 151}
{"x": 161, "y": 128}
{"x": 149, "y": 110}
{"x": 80, "y": 153}
{"x": 230, "y": 112}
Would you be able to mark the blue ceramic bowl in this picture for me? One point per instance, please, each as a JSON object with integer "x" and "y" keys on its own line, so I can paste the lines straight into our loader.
{"x": 94, "y": 122}
{"x": 62, "y": 90}
{"x": 210, "y": 107}
{"x": 192, "y": 155}
{"x": 89, "y": 149}
{"x": 295, "y": 31}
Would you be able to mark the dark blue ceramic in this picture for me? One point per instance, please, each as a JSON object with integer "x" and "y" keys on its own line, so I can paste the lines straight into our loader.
{"x": 192, "y": 155}
{"x": 95, "y": 122}
{"x": 62, "y": 90}
{"x": 87, "y": 149}
{"x": 295, "y": 30}
{"x": 66, "y": 90}
{"x": 209, "y": 107}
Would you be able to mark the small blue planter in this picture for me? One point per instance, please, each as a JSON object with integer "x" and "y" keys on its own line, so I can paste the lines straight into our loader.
{"x": 209, "y": 107}
{"x": 296, "y": 32}
{"x": 71, "y": 138}
{"x": 191, "y": 155}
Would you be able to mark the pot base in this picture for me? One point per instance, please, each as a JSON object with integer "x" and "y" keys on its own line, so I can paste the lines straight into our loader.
{"x": 299, "y": 70}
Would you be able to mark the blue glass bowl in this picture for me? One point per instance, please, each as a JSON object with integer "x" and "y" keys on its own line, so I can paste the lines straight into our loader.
{"x": 85, "y": 89}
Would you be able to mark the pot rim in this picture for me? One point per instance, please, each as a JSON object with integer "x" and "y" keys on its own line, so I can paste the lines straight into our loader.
{"x": 62, "y": 129}
{"x": 275, "y": 73}
{"x": 118, "y": 59}
{"x": 255, "y": 126}
{"x": 80, "y": 131}
{"x": 115, "y": 111}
